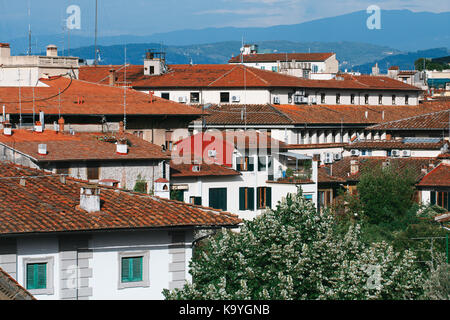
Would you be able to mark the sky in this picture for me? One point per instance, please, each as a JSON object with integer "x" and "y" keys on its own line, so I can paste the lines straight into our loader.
{"x": 145, "y": 17}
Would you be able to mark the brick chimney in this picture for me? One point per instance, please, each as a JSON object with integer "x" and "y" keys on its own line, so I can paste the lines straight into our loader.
{"x": 61, "y": 124}
{"x": 354, "y": 166}
{"x": 38, "y": 127}
{"x": 90, "y": 198}
{"x": 112, "y": 77}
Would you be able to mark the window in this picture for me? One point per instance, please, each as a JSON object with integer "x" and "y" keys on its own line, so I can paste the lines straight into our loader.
{"x": 134, "y": 269}
{"x": 274, "y": 69}
{"x": 165, "y": 95}
{"x": 338, "y": 98}
{"x": 264, "y": 163}
{"x": 38, "y": 275}
{"x": 246, "y": 198}
{"x": 290, "y": 97}
{"x": 139, "y": 134}
{"x": 366, "y": 99}
{"x": 244, "y": 164}
{"x": 263, "y": 68}
{"x": 195, "y": 97}
{"x": 440, "y": 198}
{"x": 308, "y": 197}
{"x": 224, "y": 97}
{"x": 218, "y": 198}
{"x": 62, "y": 168}
{"x": 196, "y": 200}
{"x": 152, "y": 70}
{"x": 322, "y": 98}
{"x": 352, "y": 99}
{"x": 380, "y": 99}
{"x": 264, "y": 197}
{"x": 406, "y": 99}
{"x": 93, "y": 171}
{"x": 315, "y": 69}
{"x": 394, "y": 98}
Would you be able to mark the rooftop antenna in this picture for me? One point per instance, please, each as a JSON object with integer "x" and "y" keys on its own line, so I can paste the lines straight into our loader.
{"x": 95, "y": 41}
{"x": 20, "y": 102}
{"x": 29, "y": 27}
{"x": 125, "y": 92}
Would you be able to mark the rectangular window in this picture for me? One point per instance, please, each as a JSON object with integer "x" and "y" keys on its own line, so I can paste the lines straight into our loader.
{"x": 352, "y": 99}
{"x": 264, "y": 197}
{"x": 338, "y": 98}
{"x": 308, "y": 197}
{"x": 36, "y": 276}
{"x": 195, "y": 97}
{"x": 406, "y": 99}
{"x": 322, "y": 98}
{"x": 246, "y": 198}
{"x": 380, "y": 99}
{"x": 62, "y": 168}
{"x": 274, "y": 69}
{"x": 93, "y": 171}
{"x": 263, "y": 68}
{"x": 132, "y": 269}
{"x": 441, "y": 198}
{"x": 218, "y": 198}
{"x": 152, "y": 70}
{"x": 244, "y": 164}
{"x": 165, "y": 95}
{"x": 263, "y": 164}
{"x": 196, "y": 200}
{"x": 366, "y": 99}
{"x": 394, "y": 98}
{"x": 225, "y": 97}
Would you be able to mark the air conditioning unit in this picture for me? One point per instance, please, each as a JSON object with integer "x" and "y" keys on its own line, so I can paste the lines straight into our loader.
{"x": 300, "y": 99}
{"x": 212, "y": 153}
{"x": 406, "y": 153}
{"x": 395, "y": 153}
{"x": 276, "y": 100}
{"x": 354, "y": 152}
{"x": 182, "y": 99}
{"x": 337, "y": 156}
{"x": 328, "y": 158}
{"x": 235, "y": 98}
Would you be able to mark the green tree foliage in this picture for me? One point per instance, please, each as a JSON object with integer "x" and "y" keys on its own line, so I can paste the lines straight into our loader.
{"x": 437, "y": 287}
{"x": 429, "y": 65}
{"x": 294, "y": 252}
{"x": 140, "y": 185}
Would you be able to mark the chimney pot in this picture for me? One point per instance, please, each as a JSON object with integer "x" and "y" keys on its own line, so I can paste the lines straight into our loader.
{"x": 7, "y": 130}
{"x": 61, "y": 124}
{"x": 354, "y": 166}
{"x": 112, "y": 77}
{"x": 122, "y": 146}
{"x": 38, "y": 127}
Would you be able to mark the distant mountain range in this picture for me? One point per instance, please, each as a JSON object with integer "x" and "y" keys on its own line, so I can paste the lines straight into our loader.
{"x": 348, "y": 53}
{"x": 401, "y": 29}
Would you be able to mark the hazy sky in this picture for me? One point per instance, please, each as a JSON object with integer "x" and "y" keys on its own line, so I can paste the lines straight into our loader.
{"x": 144, "y": 17}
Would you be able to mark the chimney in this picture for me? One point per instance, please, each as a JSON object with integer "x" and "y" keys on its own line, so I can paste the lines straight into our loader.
{"x": 42, "y": 119}
{"x": 42, "y": 149}
{"x": 122, "y": 146}
{"x": 38, "y": 127}
{"x": 5, "y": 50}
{"x": 424, "y": 169}
{"x": 52, "y": 50}
{"x": 61, "y": 124}
{"x": 90, "y": 198}
{"x": 7, "y": 129}
{"x": 354, "y": 166}
{"x": 112, "y": 77}
{"x": 388, "y": 136}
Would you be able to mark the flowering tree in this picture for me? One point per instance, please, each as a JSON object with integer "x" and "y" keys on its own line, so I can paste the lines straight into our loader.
{"x": 295, "y": 253}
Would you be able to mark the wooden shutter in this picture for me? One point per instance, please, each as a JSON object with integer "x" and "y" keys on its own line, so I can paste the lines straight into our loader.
{"x": 136, "y": 269}
{"x": 30, "y": 276}
{"x": 433, "y": 197}
{"x": 251, "y": 199}
{"x": 268, "y": 197}
{"x": 242, "y": 198}
{"x": 125, "y": 270}
{"x": 250, "y": 163}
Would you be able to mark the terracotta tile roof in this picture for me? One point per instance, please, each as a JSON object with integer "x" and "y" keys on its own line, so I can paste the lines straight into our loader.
{"x": 232, "y": 76}
{"x": 315, "y": 146}
{"x": 10, "y": 289}
{"x": 230, "y": 114}
{"x": 100, "y": 74}
{"x": 274, "y": 57}
{"x": 84, "y": 98}
{"x": 436, "y": 120}
{"x": 185, "y": 170}
{"x": 44, "y": 204}
{"x": 80, "y": 146}
{"x": 438, "y": 177}
{"x": 394, "y": 144}
{"x": 353, "y": 114}
{"x": 341, "y": 170}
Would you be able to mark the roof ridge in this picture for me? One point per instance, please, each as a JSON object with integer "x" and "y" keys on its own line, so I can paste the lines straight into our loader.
{"x": 222, "y": 76}
{"x": 410, "y": 118}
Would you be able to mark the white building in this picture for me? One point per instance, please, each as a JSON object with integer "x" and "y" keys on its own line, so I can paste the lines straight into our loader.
{"x": 70, "y": 240}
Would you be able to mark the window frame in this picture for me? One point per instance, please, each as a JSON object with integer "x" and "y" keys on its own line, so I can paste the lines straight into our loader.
{"x": 195, "y": 100}
{"x": 167, "y": 94}
{"x": 267, "y": 200}
{"x": 145, "y": 269}
{"x": 49, "y": 273}
{"x": 222, "y": 95}
{"x": 224, "y": 198}
{"x": 248, "y": 202}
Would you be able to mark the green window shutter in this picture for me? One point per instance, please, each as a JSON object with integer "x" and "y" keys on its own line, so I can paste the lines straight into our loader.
{"x": 242, "y": 198}
{"x": 262, "y": 163}
{"x": 41, "y": 275}
{"x": 218, "y": 198}
{"x": 258, "y": 197}
{"x": 269, "y": 197}
{"x": 198, "y": 201}
{"x": 30, "y": 276}
{"x": 125, "y": 270}
{"x": 251, "y": 199}
{"x": 136, "y": 269}
{"x": 433, "y": 197}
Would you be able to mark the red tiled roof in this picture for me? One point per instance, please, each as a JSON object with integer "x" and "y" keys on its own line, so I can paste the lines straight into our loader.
{"x": 185, "y": 170}
{"x": 393, "y": 144}
{"x": 341, "y": 170}
{"x": 232, "y": 76}
{"x": 100, "y": 74}
{"x": 353, "y": 114}
{"x": 80, "y": 146}
{"x": 10, "y": 289}
{"x": 274, "y": 57}
{"x": 44, "y": 204}
{"x": 438, "y": 177}
{"x": 315, "y": 146}
{"x": 436, "y": 120}
{"x": 82, "y": 98}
